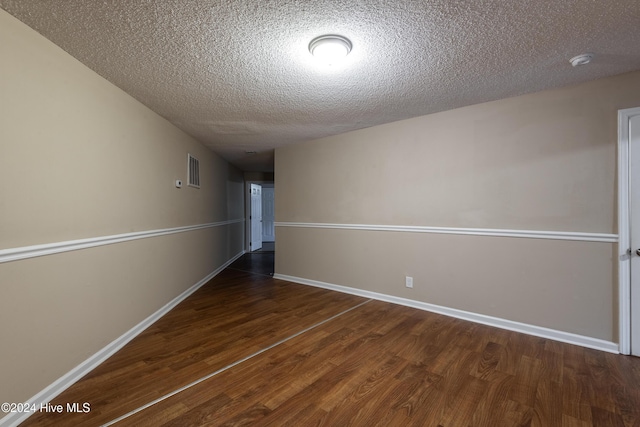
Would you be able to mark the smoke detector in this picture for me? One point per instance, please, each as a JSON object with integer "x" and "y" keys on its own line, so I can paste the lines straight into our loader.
{"x": 583, "y": 59}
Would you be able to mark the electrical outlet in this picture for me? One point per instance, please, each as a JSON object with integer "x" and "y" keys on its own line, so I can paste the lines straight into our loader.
{"x": 408, "y": 282}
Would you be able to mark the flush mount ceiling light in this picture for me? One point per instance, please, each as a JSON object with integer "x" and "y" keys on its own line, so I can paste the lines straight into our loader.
{"x": 330, "y": 48}
{"x": 583, "y": 59}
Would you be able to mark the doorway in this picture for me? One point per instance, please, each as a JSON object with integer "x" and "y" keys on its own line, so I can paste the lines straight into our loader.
{"x": 259, "y": 257}
{"x": 629, "y": 229}
{"x": 260, "y": 226}
{"x": 255, "y": 217}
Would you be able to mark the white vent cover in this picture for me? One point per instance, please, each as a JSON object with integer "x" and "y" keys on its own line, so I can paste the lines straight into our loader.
{"x": 193, "y": 172}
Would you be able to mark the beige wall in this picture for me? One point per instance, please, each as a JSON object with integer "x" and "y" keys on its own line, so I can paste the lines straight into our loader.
{"x": 546, "y": 283}
{"x": 79, "y": 158}
{"x": 543, "y": 161}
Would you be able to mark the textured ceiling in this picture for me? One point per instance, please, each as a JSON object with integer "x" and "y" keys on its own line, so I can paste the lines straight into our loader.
{"x": 237, "y": 75}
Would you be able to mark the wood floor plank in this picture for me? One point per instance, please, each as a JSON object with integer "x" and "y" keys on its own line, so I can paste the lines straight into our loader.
{"x": 461, "y": 392}
{"x": 552, "y": 367}
{"x": 487, "y": 363}
{"x": 364, "y": 392}
{"x": 547, "y": 409}
{"x": 399, "y": 403}
{"x": 568, "y": 421}
{"x": 493, "y": 404}
{"x": 604, "y": 418}
{"x": 526, "y": 381}
{"x": 575, "y": 394}
{"x": 377, "y": 364}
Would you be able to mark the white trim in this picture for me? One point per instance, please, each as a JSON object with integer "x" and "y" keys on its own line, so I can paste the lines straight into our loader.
{"x": 14, "y": 254}
{"x": 497, "y": 322}
{"x": 530, "y": 234}
{"x": 70, "y": 378}
{"x": 624, "y": 261}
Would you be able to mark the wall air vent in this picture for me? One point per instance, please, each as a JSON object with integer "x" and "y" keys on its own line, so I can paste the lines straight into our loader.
{"x": 193, "y": 172}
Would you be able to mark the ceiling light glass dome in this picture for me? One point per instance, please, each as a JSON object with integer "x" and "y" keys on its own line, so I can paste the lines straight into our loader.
{"x": 330, "y": 49}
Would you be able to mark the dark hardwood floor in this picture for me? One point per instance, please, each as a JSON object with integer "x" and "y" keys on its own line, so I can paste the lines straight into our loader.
{"x": 369, "y": 363}
{"x": 259, "y": 262}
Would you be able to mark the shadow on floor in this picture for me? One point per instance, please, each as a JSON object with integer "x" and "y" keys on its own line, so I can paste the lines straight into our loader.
{"x": 267, "y": 247}
{"x": 258, "y": 262}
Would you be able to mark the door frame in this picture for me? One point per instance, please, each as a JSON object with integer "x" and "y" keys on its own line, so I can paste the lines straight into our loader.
{"x": 255, "y": 220}
{"x": 269, "y": 187}
{"x": 624, "y": 243}
{"x": 247, "y": 210}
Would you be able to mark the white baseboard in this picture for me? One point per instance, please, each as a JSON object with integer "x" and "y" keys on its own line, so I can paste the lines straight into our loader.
{"x": 497, "y": 322}
{"x": 67, "y": 380}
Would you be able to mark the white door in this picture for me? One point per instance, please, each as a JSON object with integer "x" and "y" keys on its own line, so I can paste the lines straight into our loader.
{"x": 268, "y": 214}
{"x": 256, "y": 217}
{"x": 634, "y": 225}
